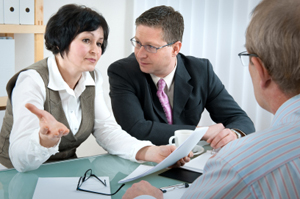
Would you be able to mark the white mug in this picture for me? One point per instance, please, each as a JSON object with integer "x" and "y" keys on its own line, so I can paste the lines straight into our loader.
{"x": 180, "y": 136}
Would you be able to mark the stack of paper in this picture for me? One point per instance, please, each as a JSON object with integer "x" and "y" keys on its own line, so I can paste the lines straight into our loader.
{"x": 197, "y": 164}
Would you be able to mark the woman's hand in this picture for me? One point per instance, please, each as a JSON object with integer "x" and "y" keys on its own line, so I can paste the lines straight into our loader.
{"x": 159, "y": 153}
{"x": 50, "y": 129}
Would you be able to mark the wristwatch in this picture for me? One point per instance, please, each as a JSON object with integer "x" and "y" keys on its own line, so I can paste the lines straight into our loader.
{"x": 238, "y": 135}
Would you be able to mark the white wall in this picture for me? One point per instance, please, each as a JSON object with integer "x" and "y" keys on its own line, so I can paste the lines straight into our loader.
{"x": 199, "y": 40}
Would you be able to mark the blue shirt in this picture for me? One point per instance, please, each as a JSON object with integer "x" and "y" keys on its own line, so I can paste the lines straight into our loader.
{"x": 265, "y": 164}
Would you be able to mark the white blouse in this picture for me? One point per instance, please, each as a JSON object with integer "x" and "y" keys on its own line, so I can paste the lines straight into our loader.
{"x": 25, "y": 150}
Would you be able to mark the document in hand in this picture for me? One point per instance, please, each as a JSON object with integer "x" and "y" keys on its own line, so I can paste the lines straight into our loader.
{"x": 182, "y": 151}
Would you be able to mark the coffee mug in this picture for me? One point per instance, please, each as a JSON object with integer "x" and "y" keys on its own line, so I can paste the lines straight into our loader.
{"x": 180, "y": 136}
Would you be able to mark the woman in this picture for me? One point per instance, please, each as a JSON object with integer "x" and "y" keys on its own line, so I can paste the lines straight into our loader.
{"x": 65, "y": 96}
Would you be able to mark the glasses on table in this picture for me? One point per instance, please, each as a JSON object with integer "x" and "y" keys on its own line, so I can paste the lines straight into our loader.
{"x": 87, "y": 175}
{"x": 245, "y": 57}
{"x": 148, "y": 48}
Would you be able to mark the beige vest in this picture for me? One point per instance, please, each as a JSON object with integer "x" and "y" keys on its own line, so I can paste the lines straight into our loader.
{"x": 53, "y": 105}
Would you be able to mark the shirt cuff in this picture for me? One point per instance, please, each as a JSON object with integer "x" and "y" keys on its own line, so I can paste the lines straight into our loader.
{"x": 238, "y": 133}
{"x": 39, "y": 150}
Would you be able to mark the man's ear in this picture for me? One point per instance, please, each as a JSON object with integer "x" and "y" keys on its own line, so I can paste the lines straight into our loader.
{"x": 265, "y": 78}
{"x": 176, "y": 48}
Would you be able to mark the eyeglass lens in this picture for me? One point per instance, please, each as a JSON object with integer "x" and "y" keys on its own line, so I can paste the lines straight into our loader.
{"x": 87, "y": 175}
{"x": 148, "y": 48}
{"x": 245, "y": 60}
{"x": 245, "y": 57}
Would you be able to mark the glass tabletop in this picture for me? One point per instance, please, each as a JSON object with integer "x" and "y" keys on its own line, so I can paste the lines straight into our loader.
{"x": 15, "y": 185}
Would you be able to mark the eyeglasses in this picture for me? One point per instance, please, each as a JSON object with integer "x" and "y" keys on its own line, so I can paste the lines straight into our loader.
{"x": 148, "y": 48}
{"x": 245, "y": 57}
{"x": 89, "y": 174}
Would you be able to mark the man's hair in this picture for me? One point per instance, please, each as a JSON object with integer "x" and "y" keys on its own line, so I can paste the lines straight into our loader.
{"x": 164, "y": 17}
{"x": 274, "y": 35}
{"x": 69, "y": 21}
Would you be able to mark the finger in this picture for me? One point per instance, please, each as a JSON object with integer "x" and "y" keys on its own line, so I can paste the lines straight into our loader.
{"x": 66, "y": 132}
{"x": 230, "y": 137}
{"x": 186, "y": 159}
{"x": 212, "y": 137}
{"x": 182, "y": 162}
{"x": 212, "y": 131}
{"x": 57, "y": 134}
{"x": 221, "y": 135}
{"x": 33, "y": 109}
{"x": 63, "y": 132}
{"x": 177, "y": 164}
{"x": 44, "y": 130}
{"x": 214, "y": 142}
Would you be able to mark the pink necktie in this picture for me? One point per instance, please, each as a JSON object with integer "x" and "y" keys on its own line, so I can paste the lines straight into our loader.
{"x": 163, "y": 98}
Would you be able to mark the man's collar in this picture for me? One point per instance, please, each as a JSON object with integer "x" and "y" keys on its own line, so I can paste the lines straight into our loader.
{"x": 168, "y": 79}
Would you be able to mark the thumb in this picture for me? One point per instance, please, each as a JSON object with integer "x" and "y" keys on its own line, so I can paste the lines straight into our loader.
{"x": 167, "y": 150}
{"x": 33, "y": 109}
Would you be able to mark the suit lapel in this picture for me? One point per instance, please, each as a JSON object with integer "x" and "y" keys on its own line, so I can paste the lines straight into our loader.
{"x": 155, "y": 101}
{"x": 182, "y": 89}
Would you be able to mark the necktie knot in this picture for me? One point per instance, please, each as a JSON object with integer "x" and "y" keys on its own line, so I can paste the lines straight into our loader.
{"x": 161, "y": 84}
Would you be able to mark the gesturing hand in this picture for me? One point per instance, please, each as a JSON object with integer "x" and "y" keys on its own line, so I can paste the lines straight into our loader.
{"x": 50, "y": 129}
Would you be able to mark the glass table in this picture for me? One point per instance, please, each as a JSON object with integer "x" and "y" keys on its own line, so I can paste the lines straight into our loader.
{"x": 15, "y": 185}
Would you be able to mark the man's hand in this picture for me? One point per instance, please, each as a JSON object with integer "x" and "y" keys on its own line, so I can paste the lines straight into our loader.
{"x": 218, "y": 136}
{"x": 159, "y": 153}
{"x": 143, "y": 188}
{"x": 50, "y": 129}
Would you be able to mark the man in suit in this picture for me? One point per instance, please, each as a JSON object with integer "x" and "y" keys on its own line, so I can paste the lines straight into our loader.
{"x": 190, "y": 86}
{"x": 265, "y": 164}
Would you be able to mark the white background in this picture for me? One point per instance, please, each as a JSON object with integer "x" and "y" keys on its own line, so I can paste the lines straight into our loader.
{"x": 214, "y": 29}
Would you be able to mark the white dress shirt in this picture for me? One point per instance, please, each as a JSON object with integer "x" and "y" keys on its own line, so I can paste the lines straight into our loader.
{"x": 25, "y": 150}
{"x": 169, "y": 89}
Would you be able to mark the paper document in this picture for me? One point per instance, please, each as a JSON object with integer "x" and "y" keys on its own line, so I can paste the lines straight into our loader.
{"x": 197, "y": 164}
{"x": 182, "y": 151}
{"x": 60, "y": 187}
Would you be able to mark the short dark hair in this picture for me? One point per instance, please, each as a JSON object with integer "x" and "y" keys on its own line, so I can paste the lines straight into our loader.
{"x": 69, "y": 21}
{"x": 164, "y": 17}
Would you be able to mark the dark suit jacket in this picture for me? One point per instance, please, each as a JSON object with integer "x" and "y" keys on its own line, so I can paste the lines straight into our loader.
{"x": 138, "y": 110}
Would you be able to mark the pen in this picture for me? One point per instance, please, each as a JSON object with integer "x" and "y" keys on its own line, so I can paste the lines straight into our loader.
{"x": 172, "y": 187}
